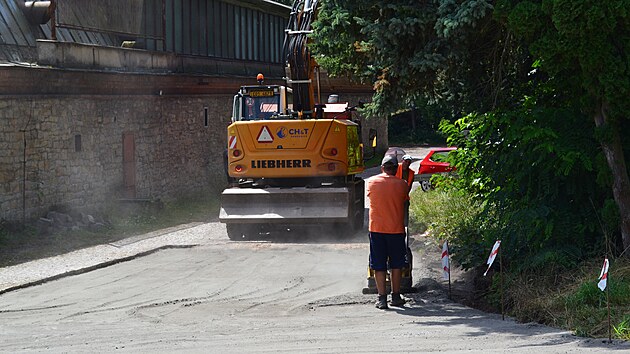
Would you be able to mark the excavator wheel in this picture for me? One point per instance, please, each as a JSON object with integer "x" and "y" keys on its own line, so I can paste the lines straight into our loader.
{"x": 348, "y": 229}
{"x": 240, "y": 232}
{"x": 341, "y": 231}
{"x": 357, "y": 222}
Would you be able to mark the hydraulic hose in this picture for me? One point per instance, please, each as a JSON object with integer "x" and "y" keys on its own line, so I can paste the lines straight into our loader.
{"x": 297, "y": 54}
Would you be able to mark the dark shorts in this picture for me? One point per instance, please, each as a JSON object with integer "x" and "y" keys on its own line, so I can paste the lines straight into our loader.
{"x": 384, "y": 247}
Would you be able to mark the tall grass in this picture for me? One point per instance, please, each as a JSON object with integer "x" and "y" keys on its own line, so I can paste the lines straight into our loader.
{"x": 449, "y": 214}
{"x": 570, "y": 299}
{"x": 444, "y": 213}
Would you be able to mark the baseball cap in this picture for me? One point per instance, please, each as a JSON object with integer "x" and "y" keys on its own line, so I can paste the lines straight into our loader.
{"x": 389, "y": 160}
{"x": 407, "y": 157}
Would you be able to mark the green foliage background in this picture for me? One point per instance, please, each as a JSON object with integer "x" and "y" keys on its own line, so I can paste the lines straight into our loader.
{"x": 516, "y": 84}
{"x": 532, "y": 92}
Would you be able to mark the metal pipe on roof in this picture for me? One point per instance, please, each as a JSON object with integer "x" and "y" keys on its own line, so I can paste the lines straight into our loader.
{"x": 37, "y": 12}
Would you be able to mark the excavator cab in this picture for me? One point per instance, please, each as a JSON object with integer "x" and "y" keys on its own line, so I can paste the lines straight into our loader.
{"x": 253, "y": 103}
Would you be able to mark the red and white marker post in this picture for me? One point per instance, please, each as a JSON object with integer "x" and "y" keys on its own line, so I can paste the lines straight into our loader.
{"x": 493, "y": 255}
{"x": 446, "y": 266}
{"x": 603, "y": 276}
{"x": 602, "y": 285}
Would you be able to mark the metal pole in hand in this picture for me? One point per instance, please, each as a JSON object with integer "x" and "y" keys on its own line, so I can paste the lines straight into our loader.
{"x": 608, "y": 305}
{"x": 449, "y": 279}
{"x": 446, "y": 266}
{"x": 608, "y": 289}
{"x": 501, "y": 284}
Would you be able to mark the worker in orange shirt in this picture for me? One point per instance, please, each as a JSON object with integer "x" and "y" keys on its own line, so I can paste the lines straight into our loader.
{"x": 387, "y": 194}
{"x": 407, "y": 175}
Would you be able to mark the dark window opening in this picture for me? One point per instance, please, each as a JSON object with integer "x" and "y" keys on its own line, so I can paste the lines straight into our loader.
{"x": 205, "y": 117}
{"x": 77, "y": 143}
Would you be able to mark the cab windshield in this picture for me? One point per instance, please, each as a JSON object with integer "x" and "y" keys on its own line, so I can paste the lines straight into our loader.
{"x": 260, "y": 108}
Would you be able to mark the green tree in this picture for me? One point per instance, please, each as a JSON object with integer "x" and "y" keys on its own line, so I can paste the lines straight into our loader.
{"x": 535, "y": 178}
{"x": 448, "y": 52}
{"x": 517, "y": 66}
{"x": 584, "y": 46}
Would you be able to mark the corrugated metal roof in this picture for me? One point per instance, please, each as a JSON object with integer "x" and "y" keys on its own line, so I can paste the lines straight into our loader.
{"x": 18, "y": 36}
{"x": 14, "y": 28}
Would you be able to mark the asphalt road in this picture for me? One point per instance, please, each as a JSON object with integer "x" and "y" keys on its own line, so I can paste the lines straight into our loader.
{"x": 260, "y": 296}
{"x": 293, "y": 292}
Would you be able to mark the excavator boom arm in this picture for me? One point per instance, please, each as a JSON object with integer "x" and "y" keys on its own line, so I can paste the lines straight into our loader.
{"x": 299, "y": 62}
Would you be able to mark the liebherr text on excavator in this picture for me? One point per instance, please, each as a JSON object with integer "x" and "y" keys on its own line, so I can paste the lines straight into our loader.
{"x": 291, "y": 160}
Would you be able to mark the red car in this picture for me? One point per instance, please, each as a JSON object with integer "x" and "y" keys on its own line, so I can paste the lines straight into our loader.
{"x": 434, "y": 162}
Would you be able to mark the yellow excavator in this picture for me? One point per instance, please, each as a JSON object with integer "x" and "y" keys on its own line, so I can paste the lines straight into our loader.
{"x": 291, "y": 160}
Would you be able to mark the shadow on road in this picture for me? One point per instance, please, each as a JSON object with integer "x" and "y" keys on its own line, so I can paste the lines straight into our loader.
{"x": 478, "y": 324}
{"x": 315, "y": 234}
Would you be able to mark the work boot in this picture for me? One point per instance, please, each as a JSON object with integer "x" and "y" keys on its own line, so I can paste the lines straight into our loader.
{"x": 397, "y": 300}
{"x": 381, "y": 304}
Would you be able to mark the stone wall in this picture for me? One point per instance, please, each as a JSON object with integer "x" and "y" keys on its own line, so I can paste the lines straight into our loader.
{"x": 68, "y": 150}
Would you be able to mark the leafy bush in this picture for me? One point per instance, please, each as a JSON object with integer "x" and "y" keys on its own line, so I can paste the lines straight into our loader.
{"x": 450, "y": 215}
{"x": 536, "y": 179}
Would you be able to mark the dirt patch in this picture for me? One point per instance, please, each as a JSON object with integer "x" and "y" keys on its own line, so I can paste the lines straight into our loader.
{"x": 23, "y": 243}
{"x": 466, "y": 287}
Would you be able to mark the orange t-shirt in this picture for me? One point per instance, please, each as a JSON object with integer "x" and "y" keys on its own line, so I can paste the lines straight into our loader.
{"x": 410, "y": 177}
{"x": 387, "y": 195}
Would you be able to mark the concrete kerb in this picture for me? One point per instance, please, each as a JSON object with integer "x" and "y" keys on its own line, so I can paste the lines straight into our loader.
{"x": 85, "y": 260}
{"x": 88, "y": 269}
